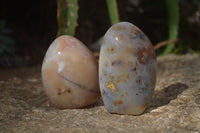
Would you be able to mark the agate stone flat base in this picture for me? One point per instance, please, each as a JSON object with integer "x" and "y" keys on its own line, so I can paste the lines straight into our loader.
{"x": 127, "y": 69}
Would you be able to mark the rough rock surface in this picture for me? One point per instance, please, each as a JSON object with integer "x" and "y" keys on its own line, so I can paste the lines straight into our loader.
{"x": 175, "y": 105}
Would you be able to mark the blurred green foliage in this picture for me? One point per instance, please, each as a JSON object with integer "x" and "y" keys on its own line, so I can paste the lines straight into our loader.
{"x": 152, "y": 17}
{"x": 65, "y": 19}
{"x": 173, "y": 23}
{"x": 31, "y": 26}
{"x": 7, "y": 44}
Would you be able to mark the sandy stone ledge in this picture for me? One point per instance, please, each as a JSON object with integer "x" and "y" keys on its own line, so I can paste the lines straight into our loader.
{"x": 24, "y": 108}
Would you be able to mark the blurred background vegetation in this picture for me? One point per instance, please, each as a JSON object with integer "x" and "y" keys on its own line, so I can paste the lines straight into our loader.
{"x": 27, "y": 28}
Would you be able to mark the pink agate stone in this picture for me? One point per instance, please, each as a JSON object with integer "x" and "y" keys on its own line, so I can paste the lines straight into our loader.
{"x": 70, "y": 74}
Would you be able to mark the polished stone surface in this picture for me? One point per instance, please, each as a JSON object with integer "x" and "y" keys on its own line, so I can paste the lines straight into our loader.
{"x": 69, "y": 74}
{"x": 127, "y": 69}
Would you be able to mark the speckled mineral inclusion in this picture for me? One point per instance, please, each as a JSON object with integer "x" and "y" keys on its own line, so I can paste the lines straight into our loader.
{"x": 127, "y": 69}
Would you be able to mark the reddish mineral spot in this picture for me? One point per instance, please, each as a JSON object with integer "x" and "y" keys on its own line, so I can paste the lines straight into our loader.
{"x": 62, "y": 91}
{"x": 111, "y": 50}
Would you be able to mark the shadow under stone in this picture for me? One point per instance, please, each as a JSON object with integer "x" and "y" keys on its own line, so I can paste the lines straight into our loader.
{"x": 164, "y": 96}
{"x": 160, "y": 98}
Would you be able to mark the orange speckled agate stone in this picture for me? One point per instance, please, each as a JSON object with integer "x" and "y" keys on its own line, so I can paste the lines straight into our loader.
{"x": 69, "y": 74}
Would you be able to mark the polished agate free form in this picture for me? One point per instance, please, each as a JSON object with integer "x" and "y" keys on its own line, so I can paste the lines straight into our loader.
{"x": 69, "y": 74}
{"x": 127, "y": 69}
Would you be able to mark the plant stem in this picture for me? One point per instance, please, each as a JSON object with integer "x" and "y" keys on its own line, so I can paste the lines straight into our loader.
{"x": 173, "y": 14}
{"x": 113, "y": 11}
{"x": 67, "y": 14}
